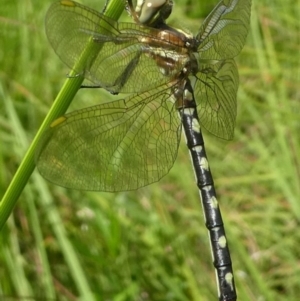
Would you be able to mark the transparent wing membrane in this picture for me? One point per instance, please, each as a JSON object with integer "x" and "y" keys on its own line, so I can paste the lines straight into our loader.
{"x": 125, "y": 62}
{"x": 116, "y": 146}
{"x": 217, "y": 86}
{"x": 223, "y": 33}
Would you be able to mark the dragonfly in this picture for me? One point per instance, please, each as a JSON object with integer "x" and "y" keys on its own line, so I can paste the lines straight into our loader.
{"x": 175, "y": 80}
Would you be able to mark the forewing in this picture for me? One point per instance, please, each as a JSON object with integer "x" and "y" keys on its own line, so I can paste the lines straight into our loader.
{"x": 119, "y": 59}
{"x": 116, "y": 146}
{"x": 215, "y": 91}
{"x": 223, "y": 33}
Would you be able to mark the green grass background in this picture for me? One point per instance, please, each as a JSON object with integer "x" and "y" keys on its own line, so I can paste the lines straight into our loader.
{"x": 152, "y": 244}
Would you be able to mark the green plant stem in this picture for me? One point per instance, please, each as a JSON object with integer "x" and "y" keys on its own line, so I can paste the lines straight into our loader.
{"x": 59, "y": 107}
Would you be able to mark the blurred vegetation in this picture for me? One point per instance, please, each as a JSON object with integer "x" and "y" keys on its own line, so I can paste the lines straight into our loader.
{"x": 152, "y": 244}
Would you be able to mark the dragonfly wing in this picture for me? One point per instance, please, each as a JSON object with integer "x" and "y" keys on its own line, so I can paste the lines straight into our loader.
{"x": 116, "y": 146}
{"x": 216, "y": 88}
{"x": 119, "y": 58}
{"x": 69, "y": 28}
{"x": 223, "y": 33}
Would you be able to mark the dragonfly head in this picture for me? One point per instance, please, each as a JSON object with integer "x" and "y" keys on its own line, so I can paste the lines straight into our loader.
{"x": 150, "y": 12}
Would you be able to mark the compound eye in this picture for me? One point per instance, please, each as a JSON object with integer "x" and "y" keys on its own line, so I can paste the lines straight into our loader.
{"x": 147, "y": 9}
